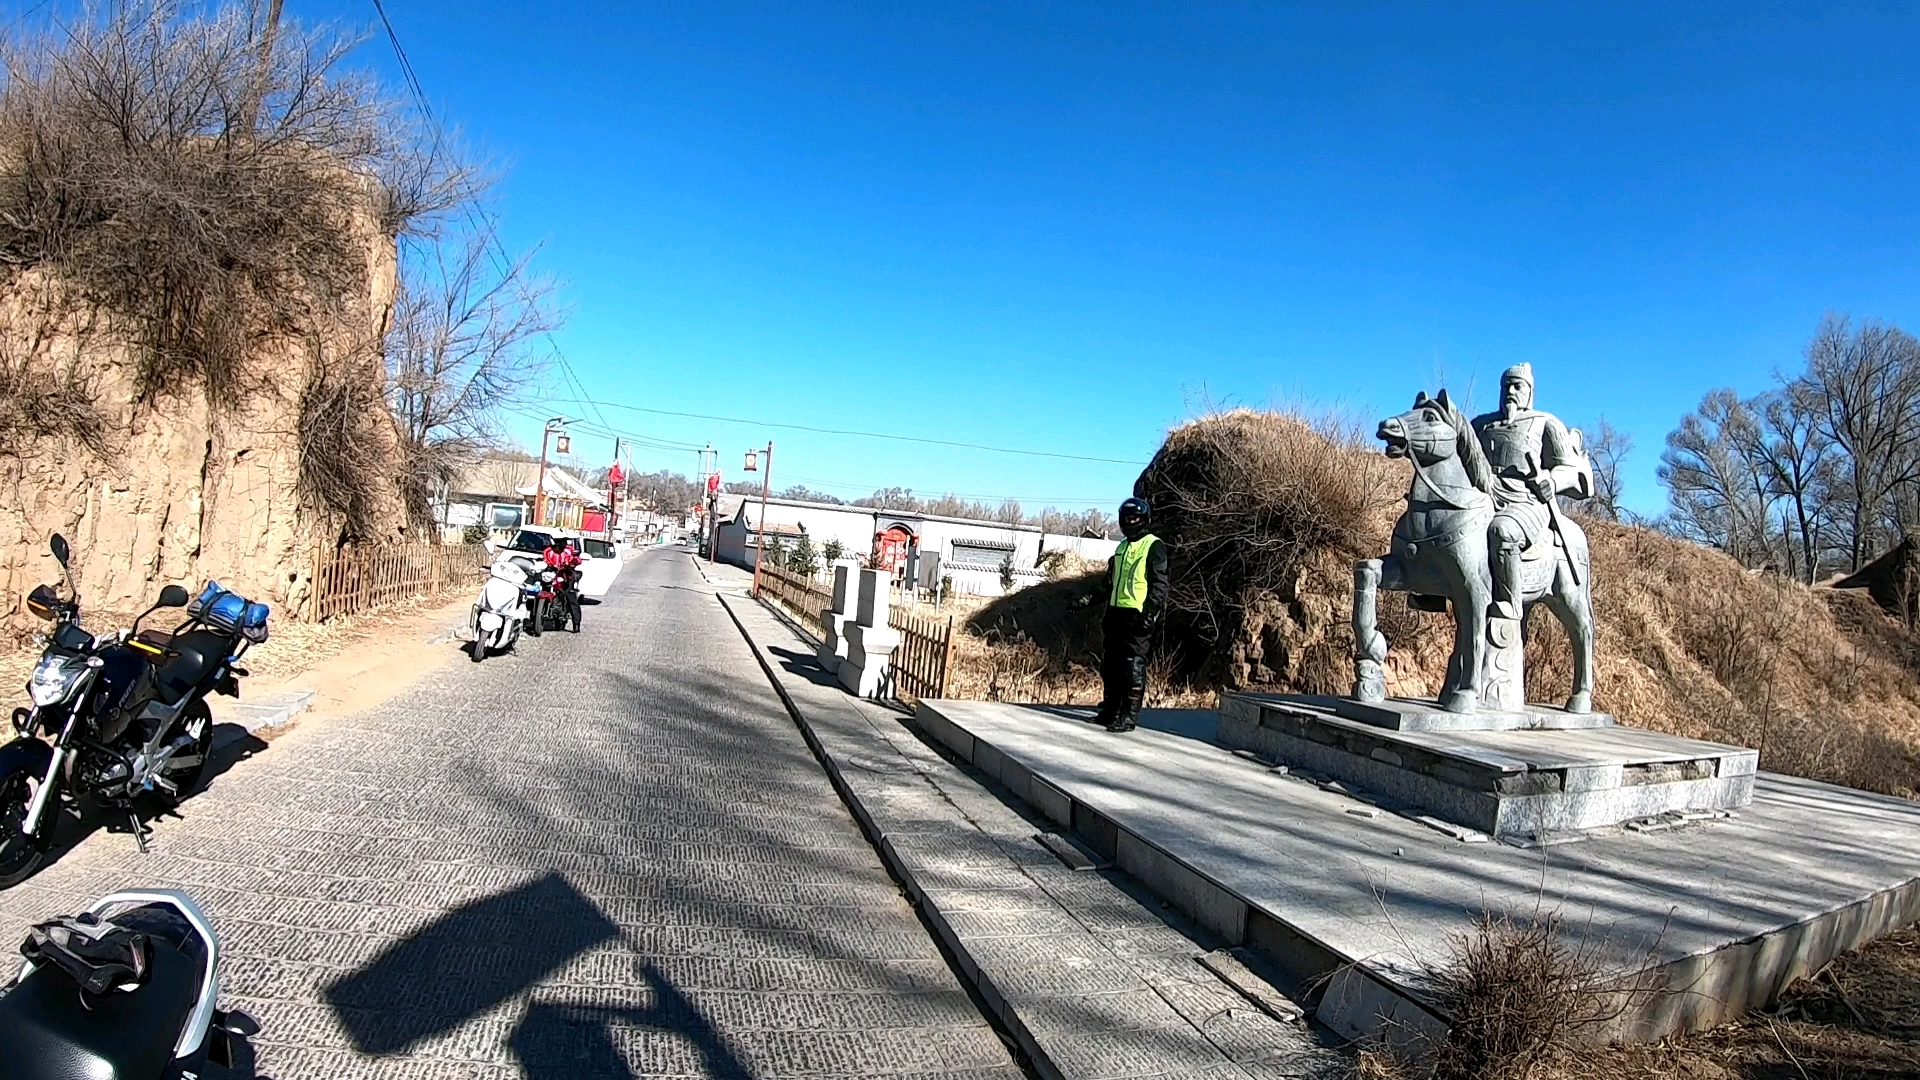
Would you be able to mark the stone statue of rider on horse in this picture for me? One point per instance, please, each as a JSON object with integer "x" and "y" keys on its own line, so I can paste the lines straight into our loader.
{"x": 1484, "y": 533}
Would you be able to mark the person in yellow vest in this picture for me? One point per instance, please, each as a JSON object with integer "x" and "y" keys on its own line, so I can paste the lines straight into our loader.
{"x": 1136, "y": 595}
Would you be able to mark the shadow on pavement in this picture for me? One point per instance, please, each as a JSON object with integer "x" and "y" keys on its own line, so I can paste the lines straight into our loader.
{"x": 232, "y": 744}
{"x": 566, "y": 1042}
{"x": 805, "y": 665}
{"x": 478, "y": 956}
{"x": 470, "y": 960}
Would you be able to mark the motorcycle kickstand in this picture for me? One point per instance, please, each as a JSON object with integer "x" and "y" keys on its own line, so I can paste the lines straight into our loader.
{"x": 139, "y": 831}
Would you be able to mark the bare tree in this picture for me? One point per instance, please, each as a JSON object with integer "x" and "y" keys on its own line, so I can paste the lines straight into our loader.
{"x": 1715, "y": 494}
{"x": 463, "y": 343}
{"x": 1866, "y": 383}
{"x": 205, "y": 186}
{"x": 1795, "y": 457}
{"x": 1607, "y": 449}
{"x": 1008, "y": 512}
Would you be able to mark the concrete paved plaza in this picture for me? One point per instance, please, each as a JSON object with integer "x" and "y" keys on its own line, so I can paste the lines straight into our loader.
{"x": 609, "y": 855}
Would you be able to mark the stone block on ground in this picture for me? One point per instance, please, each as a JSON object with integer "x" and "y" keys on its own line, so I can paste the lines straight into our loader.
{"x": 875, "y": 598}
{"x": 846, "y": 585}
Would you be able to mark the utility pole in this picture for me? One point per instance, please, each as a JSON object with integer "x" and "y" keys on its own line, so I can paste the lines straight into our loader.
{"x": 613, "y": 496}
{"x": 540, "y": 486}
{"x": 713, "y": 498}
{"x": 760, "y": 543}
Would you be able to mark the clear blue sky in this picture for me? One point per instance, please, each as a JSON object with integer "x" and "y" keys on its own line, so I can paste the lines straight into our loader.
{"x": 1068, "y": 226}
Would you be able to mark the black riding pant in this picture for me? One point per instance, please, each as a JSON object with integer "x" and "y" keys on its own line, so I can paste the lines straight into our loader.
{"x": 1123, "y": 665}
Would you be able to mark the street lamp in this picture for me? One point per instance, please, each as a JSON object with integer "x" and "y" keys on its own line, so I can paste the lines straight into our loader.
{"x": 766, "y": 481}
{"x": 554, "y": 425}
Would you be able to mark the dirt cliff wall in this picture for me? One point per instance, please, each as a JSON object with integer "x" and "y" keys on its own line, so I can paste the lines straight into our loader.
{"x": 181, "y": 490}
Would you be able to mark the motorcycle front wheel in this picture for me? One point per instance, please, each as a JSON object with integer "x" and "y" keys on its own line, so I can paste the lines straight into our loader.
{"x": 20, "y": 854}
{"x": 478, "y": 649}
{"x": 534, "y": 616}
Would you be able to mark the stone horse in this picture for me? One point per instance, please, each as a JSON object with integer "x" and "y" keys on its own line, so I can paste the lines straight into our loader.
{"x": 1439, "y": 554}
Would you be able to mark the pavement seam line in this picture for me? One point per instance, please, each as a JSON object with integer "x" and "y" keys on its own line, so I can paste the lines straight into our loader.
{"x": 887, "y": 737}
{"x": 1008, "y": 1029}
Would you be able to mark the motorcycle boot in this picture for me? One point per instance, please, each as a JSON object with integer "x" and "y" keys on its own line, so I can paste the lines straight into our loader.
{"x": 1129, "y": 716}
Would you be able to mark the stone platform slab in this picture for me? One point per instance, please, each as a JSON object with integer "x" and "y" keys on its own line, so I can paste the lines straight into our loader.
{"x": 1422, "y": 714}
{"x": 1533, "y": 783}
{"x": 1363, "y": 903}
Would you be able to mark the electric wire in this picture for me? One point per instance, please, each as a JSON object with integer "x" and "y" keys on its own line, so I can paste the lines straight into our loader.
{"x": 502, "y": 262}
{"x": 868, "y": 434}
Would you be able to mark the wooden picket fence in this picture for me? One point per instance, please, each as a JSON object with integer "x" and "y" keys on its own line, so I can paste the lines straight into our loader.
{"x": 358, "y": 579}
{"x": 807, "y": 599}
{"x": 923, "y": 657}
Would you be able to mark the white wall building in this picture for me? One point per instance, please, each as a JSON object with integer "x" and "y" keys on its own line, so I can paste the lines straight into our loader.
{"x": 969, "y": 552}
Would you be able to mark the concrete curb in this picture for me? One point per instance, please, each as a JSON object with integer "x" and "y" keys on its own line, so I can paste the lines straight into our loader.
{"x": 266, "y": 711}
{"x": 1086, "y": 981}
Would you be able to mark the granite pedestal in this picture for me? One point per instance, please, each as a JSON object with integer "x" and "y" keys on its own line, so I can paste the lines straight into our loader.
{"x": 1359, "y": 903}
{"x": 1509, "y": 782}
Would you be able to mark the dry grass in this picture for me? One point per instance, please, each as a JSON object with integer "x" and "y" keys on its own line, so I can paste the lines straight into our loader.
{"x": 1857, "y": 1020}
{"x": 1528, "y": 1004}
{"x": 1265, "y": 514}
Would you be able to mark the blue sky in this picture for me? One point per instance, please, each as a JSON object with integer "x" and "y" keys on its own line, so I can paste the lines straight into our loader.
{"x": 1069, "y": 226}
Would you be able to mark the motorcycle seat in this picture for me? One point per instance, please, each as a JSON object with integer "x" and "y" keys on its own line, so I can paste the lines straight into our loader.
{"x": 197, "y": 654}
{"x": 50, "y": 1035}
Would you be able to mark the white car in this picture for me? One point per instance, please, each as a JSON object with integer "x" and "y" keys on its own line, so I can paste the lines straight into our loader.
{"x": 600, "y": 567}
{"x": 600, "y": 562}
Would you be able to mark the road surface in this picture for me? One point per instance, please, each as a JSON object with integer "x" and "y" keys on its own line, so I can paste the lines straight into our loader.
{"x": 610, "y": 855}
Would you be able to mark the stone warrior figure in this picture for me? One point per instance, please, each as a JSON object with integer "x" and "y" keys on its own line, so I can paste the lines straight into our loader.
{"x": 1535, "y": 459}
{"x": 1483, "y": 536}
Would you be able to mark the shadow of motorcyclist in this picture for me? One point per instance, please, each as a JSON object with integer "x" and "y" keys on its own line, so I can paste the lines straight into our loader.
{"x": 562, "y": 1041}
{"x": 466, "y": 962}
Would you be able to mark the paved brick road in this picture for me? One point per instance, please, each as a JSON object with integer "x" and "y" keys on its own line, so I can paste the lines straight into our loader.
{"x": 610, "y": 855}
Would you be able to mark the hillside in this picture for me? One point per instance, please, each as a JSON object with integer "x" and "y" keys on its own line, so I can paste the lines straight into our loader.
{"x": 1265, "y": 515}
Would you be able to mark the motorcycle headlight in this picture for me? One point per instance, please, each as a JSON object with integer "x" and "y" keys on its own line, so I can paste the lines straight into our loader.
{"x": 53, "y": 679}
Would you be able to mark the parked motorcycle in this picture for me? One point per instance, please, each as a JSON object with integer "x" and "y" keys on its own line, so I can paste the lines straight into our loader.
{"x": 502, "y": 608}
{"x": 560, "y": 604}
{"x": 116, "y": 717}
{"x": 126, "y": 989}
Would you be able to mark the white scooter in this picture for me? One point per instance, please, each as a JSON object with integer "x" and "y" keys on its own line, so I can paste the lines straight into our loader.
{"x": 501, "y": 610}
{"x": 126, "y": 989}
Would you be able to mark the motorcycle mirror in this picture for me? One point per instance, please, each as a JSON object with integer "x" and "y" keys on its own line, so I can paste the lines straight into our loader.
{"x": 58, "y": 545}
{"x": 172, "y": 596}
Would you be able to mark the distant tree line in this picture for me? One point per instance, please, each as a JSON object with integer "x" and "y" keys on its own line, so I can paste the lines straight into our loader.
{"x": 1818, "y": 474}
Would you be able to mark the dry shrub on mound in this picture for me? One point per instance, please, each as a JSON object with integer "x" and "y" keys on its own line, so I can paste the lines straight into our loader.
{"x": 1265, "y": 514}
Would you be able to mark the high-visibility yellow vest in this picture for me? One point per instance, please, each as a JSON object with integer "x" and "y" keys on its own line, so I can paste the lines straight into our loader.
{"x": 1130, "y": 573}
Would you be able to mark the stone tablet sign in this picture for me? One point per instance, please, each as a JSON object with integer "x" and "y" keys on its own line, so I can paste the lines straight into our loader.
{"x": 1484, "y": 535}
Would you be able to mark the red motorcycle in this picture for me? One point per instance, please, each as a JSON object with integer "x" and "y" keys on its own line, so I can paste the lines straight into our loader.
{"x": 559, "y": 604}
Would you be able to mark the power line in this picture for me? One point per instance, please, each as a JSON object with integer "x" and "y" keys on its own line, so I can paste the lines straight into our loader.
{"x": 867, "y": 434}
{"x": 496, "y": 248}
{"x": 1035, "y": 500}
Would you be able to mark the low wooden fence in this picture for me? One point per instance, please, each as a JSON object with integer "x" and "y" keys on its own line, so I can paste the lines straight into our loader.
{"x": 804, "y": 597}
{"x": 923, "y": 657}
{"x": 366, "y": 577}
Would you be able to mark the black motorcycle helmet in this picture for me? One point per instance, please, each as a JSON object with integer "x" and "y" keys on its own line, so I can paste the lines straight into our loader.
{"x": 1135, "y": 517}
